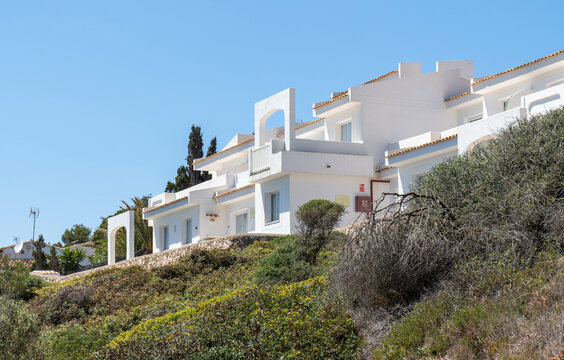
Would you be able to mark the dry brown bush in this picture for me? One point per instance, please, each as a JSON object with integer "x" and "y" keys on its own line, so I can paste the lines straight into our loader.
{"x": 403, "y": 249}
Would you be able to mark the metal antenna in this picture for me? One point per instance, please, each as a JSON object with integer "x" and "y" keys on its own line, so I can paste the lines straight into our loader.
{"x": 35, "y": 213}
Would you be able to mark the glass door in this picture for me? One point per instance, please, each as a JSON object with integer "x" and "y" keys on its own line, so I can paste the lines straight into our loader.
{"x": 241, "y": 223}
{"x": 188, "y": 225}
{"x": 165, "y": 238}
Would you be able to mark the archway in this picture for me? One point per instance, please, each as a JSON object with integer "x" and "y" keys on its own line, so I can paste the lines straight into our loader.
{"x": 125, "y": 220}
{"x": 482, "y": 141}
{"x": 285, "y": 101}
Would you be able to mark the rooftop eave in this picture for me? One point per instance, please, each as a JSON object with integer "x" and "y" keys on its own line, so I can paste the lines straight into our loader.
{"x": 427, "y": 150}
{"x": 165, "y": 208}
{"x": 468, "y": 99}
{"x": 324, "y": 108}
{"x": 337, "y": 107}
{"x": 519, "y": 73}
{"x": 212, "y": 162}
{"x": 229, "y": 196}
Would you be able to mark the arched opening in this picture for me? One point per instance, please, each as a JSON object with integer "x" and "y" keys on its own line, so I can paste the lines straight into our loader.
{"x": 278, "y": 109}
{"x": 275, "y": 122}
{"x": 119, "y": 240}
{"x": 272, "y": 125}
{"x": 121, "y": 230}
{"x": 480, "y": 142}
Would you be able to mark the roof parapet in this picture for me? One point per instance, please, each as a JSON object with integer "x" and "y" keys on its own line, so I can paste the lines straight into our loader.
{"x": 466, "y": 67}
{"x": 409, "y": 69}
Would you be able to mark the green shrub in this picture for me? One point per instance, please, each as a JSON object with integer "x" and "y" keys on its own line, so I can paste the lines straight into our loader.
{"x": 197, "y": 262}
{"x": 70, "y": 259}
{"x": 19, "y": 329}
{"x": 124, "y": 297}
{"x": 318, "y": 217}
{"x": 295, "y": 259}
{"x": 285, "y": 264}
{"x": 74, "y": 341}
{"x": 16, "y": 281}
{"x": 504, "y": 196}
{"x": 290, "y": 321}
{"x": 70, "y": 303}
{"x": 315, "y": 220}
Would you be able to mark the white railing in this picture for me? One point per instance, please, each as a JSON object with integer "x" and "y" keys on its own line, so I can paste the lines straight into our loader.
{"x": 260, "y": 158}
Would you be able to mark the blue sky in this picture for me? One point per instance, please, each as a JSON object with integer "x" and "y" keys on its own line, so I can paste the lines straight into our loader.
{"x": 97, "y": 98}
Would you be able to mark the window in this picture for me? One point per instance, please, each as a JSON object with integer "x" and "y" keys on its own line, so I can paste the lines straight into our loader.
{"x": 165, "y": 238}
{"x": 241, "y": 223}
{"x": 346, "y": 132}
{"x": 188, "y": 229}
{"x": 505, "y": 105}
{"x": 475, "y": 118}
{"x": 273, "y": 207}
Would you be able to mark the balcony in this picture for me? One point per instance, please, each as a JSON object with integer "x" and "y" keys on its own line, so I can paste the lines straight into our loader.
{"x": 310, "y": 156}
{"x": 470, "y": 134}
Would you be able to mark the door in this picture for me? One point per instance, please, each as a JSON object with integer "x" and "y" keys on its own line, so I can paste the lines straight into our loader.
{"x": 188, "y": 229}
{"x": 165, "y": 238}
{"x": 241, "y": 223}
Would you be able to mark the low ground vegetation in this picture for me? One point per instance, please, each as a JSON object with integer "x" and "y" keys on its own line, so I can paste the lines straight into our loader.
{"x": 469, "y": 266}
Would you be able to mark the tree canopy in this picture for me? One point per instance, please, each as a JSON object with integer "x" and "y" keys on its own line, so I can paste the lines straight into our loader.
{"x": 186, "y": 176}
{"x": 76, "y": 235}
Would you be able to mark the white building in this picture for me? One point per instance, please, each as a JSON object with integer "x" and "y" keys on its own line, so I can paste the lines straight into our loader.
{"x": 375, "y": 137}
{"x": 26, "y": 253}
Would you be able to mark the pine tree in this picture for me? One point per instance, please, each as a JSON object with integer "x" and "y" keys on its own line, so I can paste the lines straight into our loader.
{"x": 212, "y": 149}
{"x": 38, "y": 254}
{"x": 54, "y": 262}
{"x": 195, "y": 151}
{"x": 186, "y": 176}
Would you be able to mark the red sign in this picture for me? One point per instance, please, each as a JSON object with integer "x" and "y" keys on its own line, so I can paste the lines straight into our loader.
{"x": 362, "y": 204}
{"x": 361, "y": 187}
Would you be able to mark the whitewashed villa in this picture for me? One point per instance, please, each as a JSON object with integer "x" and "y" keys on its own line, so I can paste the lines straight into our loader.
{"x": 372, "y": 138}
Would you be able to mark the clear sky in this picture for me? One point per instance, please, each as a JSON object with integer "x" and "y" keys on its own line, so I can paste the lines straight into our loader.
{"x": 97, "y": 98}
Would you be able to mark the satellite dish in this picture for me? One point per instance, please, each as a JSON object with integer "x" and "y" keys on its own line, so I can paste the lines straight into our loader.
{"x": 19, "y": 245}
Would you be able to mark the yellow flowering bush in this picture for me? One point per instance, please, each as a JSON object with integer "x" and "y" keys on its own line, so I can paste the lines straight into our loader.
{"x": 278, "y": 322}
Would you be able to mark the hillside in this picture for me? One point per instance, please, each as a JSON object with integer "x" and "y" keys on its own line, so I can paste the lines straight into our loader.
{"x": 471, "y": 267}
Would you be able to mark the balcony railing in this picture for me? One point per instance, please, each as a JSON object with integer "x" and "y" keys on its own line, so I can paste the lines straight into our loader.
{"x": 260, "y": 159}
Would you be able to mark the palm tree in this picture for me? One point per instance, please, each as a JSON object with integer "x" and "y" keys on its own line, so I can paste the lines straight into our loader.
{"x": 143, "y": 234}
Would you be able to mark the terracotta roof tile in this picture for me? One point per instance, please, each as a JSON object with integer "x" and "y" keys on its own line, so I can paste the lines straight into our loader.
{"x": 301, "y": 126}
{"x": 385, "y": 168}
{"x": 346, "y": 93}
{"x": 163, "y": 205}
{"x": 223, "y": 151}
{"x": 421, "y": 146}
{"x": 234, "y": 191}
{"x": 338, "y": 97}
{"x": 517, "y": 67}
{"x": 458, "y": 96}
{"x": 380, "y": 77}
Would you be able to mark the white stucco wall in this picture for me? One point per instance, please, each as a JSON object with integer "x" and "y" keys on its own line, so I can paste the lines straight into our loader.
{"x": 243, "y": 206}
{"x": 282, "y": 226}
{"x": 306, "y": 187}
{"x": 176, "y": 224}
